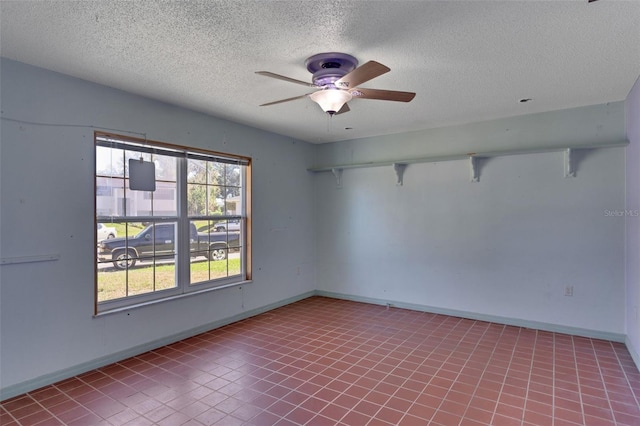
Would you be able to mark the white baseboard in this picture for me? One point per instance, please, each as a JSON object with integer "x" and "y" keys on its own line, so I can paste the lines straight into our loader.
{"x": 47, "y": 379}
{"x": 575, "y": 331}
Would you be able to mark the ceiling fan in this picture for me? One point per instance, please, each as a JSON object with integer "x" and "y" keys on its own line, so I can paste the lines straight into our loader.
{"x": 337, "y": 76}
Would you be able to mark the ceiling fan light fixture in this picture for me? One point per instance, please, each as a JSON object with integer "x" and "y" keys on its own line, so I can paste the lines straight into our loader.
{"x": 331, "y": 100}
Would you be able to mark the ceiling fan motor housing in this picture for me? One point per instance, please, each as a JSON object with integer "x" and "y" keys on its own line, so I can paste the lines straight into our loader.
{"x": 329, "y": 67}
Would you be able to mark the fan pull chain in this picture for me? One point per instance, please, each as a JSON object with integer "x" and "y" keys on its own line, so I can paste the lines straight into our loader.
{"x": 329, "y": 123}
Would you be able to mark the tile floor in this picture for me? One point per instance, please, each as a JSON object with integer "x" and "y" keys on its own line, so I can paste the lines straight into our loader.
{"x": 323, "y": 361}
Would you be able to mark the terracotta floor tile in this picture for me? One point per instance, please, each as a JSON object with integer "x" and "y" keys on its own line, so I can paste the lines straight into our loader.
{"x": 568, "y": 415}
{"x": 353, "y": 418}
{"x": 389, "y": 415}
{"x": 73, "y": 414}
{"x": 281, "y": 408}
{"x": 501, "y": 420}
{"x": 327, "y": 394}
{"x": 324, "y": 361}
{"x": 537, "y": 418}
{"x": 444, "y": 418}
{"x": 452, "y": 407}
{"x": 478, "y": 415}
{"x": 36, "y": 417}
{"x": 21, "y": 411}
{"x": 366, "y": 407}
{"x": 89, "y": 419}
{"x": 300, "y": 416}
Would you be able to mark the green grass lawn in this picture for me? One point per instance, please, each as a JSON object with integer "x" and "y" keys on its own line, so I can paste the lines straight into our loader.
{"x": 121, "y": 228}
{"x": 112, "y": 283}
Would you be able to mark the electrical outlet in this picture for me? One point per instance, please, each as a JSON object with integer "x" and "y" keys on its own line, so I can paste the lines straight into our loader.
{"x": 568, "y": 290}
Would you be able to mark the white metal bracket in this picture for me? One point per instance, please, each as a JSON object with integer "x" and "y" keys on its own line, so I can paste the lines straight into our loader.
{"x": 473, "y": 166}
{"x": 338, "y": 175}
{"x": 399, "y": 169}
{"x": 569, "y": 164}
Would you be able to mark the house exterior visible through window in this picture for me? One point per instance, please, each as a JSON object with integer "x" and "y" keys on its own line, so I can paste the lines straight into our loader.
{"x": 191, "y": 233}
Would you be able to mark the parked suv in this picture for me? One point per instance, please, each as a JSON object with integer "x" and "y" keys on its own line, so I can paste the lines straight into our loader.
{"x": 158, "y": 241}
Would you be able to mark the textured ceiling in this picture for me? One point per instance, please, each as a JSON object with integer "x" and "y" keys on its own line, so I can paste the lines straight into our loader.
{"x": 467, "y": 61}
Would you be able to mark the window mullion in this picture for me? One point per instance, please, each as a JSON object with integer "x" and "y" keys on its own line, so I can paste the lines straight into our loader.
{"x": 183, "y": 239}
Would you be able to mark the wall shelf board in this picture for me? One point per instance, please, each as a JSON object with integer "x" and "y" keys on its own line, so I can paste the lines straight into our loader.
{"x": 465, "y": 156}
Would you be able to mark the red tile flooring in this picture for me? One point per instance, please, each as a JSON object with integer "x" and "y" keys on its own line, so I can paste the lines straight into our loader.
{"x": 324, "y": 361}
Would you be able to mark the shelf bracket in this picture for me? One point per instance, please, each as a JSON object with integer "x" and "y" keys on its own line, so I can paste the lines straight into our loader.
{"x": 569, "y": 163}
{"x": 473, "y": 167}
{"x": 338, "y": 175}
{"x": 399, "y": 169}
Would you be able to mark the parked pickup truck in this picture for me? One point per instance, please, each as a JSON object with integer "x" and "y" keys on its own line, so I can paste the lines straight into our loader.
{"x": 158, "y": 241}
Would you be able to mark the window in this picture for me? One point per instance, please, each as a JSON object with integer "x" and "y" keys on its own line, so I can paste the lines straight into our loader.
{"x": 160, "y": 194}
{"x": 189, "y": 234}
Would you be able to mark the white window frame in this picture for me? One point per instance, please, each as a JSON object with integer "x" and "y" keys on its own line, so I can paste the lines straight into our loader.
{"x": 182, "y": 244}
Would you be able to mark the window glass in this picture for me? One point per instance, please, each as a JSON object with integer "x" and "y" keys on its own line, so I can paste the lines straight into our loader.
{"x": 215, "y": 214}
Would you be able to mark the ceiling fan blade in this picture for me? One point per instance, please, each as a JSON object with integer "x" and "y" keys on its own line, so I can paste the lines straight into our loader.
{"x": 363, "y": 73}
{"x": 285, "y": 100}
{"x": 282, "y": 77}
{"x": 345, "y": 108}
{"x": 383, "y": 95}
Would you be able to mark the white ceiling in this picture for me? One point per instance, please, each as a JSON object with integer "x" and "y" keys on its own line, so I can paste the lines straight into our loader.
{"x": 467, "y": 61}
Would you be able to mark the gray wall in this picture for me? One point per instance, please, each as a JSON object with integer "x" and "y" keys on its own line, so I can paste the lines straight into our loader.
{"x": 504, "y": 248}
{"x": 47, "y": 199}
{"x": 633, "y": 223}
